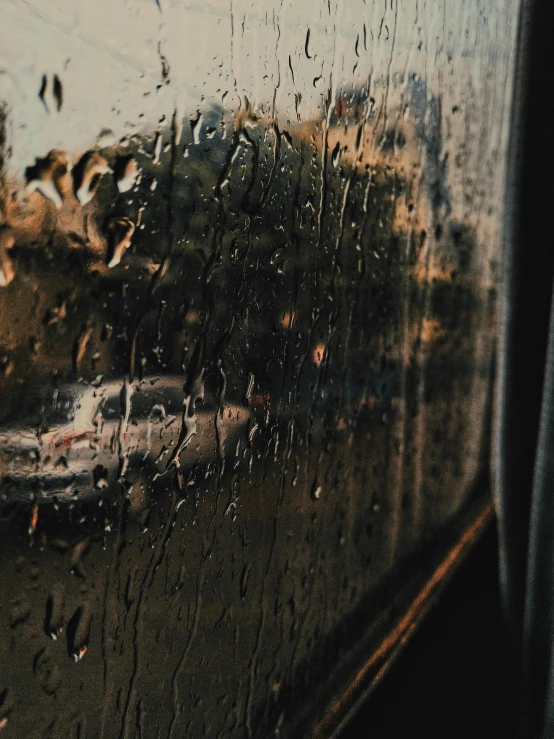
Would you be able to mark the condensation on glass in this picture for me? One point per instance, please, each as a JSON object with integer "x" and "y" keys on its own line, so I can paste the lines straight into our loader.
{"x": 249, "y": 258}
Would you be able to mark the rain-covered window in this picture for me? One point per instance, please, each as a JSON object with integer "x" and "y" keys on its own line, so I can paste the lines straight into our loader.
{"x": 249, "y": 260}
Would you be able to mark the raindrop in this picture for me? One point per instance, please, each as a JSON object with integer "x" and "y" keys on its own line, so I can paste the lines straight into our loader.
{"x": 315, "y": 490}
{"x": 57, "y": 91}
{"x": 86, "y": 175}
{"x": 164, "y": 63}
{"x": 42, "y": 91}
{"x": 126, "y": 173}
{"x": 244, "y": 580}
{"x": 80, "y": 347}
{"x": 78, "y": 633}
{"x": 306, "y": 45}
{"x": 157, "y": 147}
{"x": 196, "y": 126}
{"x": 100, "y": 477}
{"x": 47, "y": 672}
{"x": 47, "y": 176}
{"x": 6, "y": 707}
{"x": 120, "y": 232}
{"x": 53, "y": 621}
{"x": 19, "y": 613}
{"x": 7, "y": 270}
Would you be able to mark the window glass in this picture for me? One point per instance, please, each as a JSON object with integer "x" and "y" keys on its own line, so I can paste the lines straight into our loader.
{"x": 263, "y": 241}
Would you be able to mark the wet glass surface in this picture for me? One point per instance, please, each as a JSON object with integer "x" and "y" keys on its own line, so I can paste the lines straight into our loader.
{"x": 249, "y": 260}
